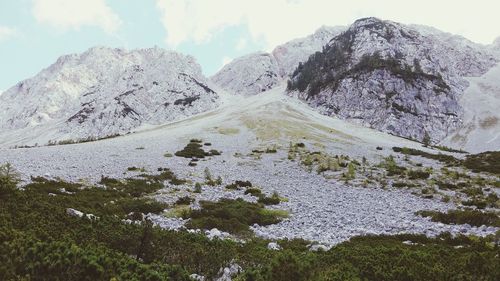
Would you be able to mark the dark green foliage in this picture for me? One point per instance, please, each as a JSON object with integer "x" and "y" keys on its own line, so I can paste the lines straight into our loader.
{"x": 274, "y": 199}
{"x": 186, "y": 200}
{"x": 426, "y": 139}
{"x": 418, "y": 174}
{"x": 237, "y": 184}
{"x": 328, "y": 68}
{"x": 484, "y": 162}
{"x": 472, "y": 191}
{"x": 253, "y": 191}
{"x": 446, "y": 185}
{"x": 39, "y": 241}
{"x": 448, "y": 149}
{"x": 478, "y": 203}
{"x": 118, "y": 197}
{"x": 194, "y": 149}
{"x": 9, "y": 179}
{"x": 472, "y": 217}
{"x": 391, "y": 167}
{"x": 234, "y": 216}
{"x": 165, "y": 175}
{"x": 213, "y": 152}
{"x": 399, "y": 184}
{"x": 447, "y": 159}
{"x": 61, "y": 260}
{"x": 386, "y": 258}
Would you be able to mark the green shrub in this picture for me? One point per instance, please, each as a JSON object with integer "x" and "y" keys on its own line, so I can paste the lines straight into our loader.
{"x": 234, "y": 216}
{"x": 186, "y": 200}
{"x": 472, "y": 217}
{"x": 253, "y": 191}
{"x": 418, "y": 174}
{"x": 9, "y": 178}
{"x": 197, "y": 188}
{"x": 274, "y": 199}
{"x": 478, "y": 203}
{"x": 484, "y": 162}
{"x": 191, "y": 150}
{"x": 447, "y": 159}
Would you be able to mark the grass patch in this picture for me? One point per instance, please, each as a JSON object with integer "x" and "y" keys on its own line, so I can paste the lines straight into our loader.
{"x": 471, "y": 217}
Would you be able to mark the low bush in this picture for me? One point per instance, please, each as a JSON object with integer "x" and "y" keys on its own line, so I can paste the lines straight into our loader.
{"x": 447, "y": 159}
{"x": 185, "y": 200}
{"x": 274, "y": 199}
{"x": 234, "y": 216}
{"x": 472, "y": 217}
{"x": 418, "y": 174}
{"x": 253, "y": 191}
{"x": 484, "y": 162}
{"x": 478, "y": 203}
{"x": 192, "y": 150}
{"x": 238, "y": 184}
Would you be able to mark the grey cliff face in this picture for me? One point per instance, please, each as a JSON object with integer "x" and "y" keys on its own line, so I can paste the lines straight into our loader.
{"x": 390, "y": 77}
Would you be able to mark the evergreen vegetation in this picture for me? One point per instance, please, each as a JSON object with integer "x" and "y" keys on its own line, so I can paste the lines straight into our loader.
{"x": 40, "y": 241}
{"x": 328, "y": 68}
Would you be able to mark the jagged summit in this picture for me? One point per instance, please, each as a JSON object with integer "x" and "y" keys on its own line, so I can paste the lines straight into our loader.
{"x": 106, "y": 91}
{"x": 254, "y": 73}
{"x": 250, "y": 74}
{"x": 392, "y": 77}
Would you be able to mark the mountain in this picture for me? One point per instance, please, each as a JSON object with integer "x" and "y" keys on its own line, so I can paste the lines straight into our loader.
{"x": 249, "y": 74}
{"x": 481, "y": 121}
{"x": 255, "y": 73}
{"x": 290, "y": 54}
{"x": 399, "y": 79}
{"x": 104, "y": 92}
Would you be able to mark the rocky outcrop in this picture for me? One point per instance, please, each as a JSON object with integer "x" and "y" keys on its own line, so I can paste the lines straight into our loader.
{"x": 259, "y": 72}
{"x": 249, "y": 75}
{"x": 105, "y": 92}
{"x": 290, "y": 54}
{"x": 391, "y": 77}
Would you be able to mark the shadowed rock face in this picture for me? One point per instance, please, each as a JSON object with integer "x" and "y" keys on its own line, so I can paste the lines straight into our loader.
{"x": 390, "y": 77}
{"x": 107, "y": 91}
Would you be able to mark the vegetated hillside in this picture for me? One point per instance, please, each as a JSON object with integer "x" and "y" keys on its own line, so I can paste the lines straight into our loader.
{"x": 392, "y": 78}
{"x": 255, "y": 73}
{"x": 104, "y": 92}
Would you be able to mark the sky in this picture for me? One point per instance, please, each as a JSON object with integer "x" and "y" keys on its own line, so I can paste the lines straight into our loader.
{"x": 34, "y": 33}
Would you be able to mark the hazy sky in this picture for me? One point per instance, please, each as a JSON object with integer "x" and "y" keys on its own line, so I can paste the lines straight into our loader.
{"x": 33, "y": 33}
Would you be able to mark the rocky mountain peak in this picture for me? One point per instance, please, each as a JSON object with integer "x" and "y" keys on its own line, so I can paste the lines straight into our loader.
{"x": 106, "y": 91}
{"x": 391, "y": 77}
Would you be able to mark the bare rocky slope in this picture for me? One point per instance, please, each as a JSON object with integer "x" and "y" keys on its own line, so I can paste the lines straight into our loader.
{"x": 399, "y": 79}
{"x": 104, "y": 92}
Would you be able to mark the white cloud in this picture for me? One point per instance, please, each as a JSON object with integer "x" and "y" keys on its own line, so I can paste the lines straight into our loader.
{"x": 6, "y": 32}
{"x": 73, "y": 14}
{"x": 278, "y": 21}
